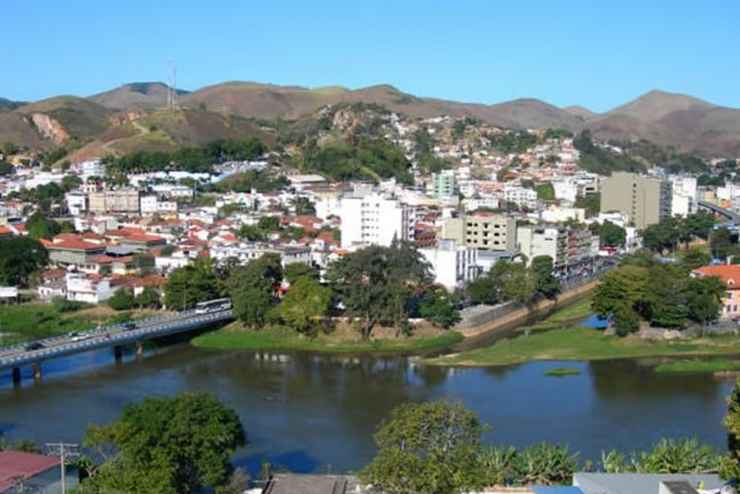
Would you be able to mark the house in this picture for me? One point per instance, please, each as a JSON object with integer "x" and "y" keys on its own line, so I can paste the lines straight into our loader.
{"x": 313, "y": 484}
{"x": 642, "y": 483}
{"x": 69, "y": 249}
{"x": 89, "y": 288}
{"x": 730, "y": 276}
{"x": 31, "y": 472}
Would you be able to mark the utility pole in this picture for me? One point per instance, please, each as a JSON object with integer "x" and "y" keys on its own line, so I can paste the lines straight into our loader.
{"x": 63, "y": 451}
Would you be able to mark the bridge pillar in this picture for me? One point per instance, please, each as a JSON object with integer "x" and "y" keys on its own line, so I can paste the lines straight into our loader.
{"x": 36, "y": 371}
{"x": 16, "y": 376}
{"x": 118, "y": 353}
{"x": 139, "y": 349}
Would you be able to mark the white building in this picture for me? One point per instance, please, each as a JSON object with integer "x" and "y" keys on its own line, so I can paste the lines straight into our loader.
{"x": 76, "y": 202}
{"x": 683, "y": 202}
{"x": 522, "y": 197}
{"x": 453, "y": 265}
{"x": 375, "y": 219}
{"x": 88, "y": 288}
{"x": 561, "y": 214}
{"x": 543, "y": 240}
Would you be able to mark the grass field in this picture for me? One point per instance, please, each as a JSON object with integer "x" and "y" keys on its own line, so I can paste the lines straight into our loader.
{"x": 26, "y": 322}
{"x": 698, "y": 366}
{"x": 285, "y": 339}
{"x": 558, "y": 338}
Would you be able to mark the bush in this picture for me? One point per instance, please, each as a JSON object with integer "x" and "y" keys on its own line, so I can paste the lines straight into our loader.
{"x": 122, "y": 299}
{"x": 61, "y": 304}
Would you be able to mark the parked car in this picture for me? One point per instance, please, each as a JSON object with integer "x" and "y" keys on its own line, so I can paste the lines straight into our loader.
{"x": 129, "y": 326}
{"x": 34, "y": 345}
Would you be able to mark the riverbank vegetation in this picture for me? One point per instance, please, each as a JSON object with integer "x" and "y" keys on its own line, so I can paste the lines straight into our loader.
{"x": 698, "y": 366}
{"x": 375, "y": 287}
{"x": 25, "y": 322}
{"x": 282, "y": 338}
{"x": 563, "y": 372}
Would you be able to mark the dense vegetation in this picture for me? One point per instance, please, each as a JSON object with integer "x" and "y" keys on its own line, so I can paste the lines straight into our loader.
{"x": 367, "y": 159}
{"x": 663, "y": 294}
{"x": 600, "y": 160}
{"x": 512, "y": 281}
{"x": 190, "y": 159}
{"x": 670, "y": 232}
{"x": 20, "y": 258}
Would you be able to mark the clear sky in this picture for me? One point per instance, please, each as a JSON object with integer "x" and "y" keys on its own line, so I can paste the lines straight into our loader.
{"x": 564, "y": 52}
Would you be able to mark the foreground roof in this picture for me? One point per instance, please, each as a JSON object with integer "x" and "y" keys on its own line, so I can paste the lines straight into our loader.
{"x": 638, "y": 483}
{"x": 15, "y": 465}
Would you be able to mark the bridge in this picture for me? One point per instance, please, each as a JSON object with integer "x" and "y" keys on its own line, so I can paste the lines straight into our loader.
{"x": 730, "y": 216}
{"x": 116, "y": 336}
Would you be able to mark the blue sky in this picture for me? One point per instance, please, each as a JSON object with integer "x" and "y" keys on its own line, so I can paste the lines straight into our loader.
{"x": 575, "y": 52}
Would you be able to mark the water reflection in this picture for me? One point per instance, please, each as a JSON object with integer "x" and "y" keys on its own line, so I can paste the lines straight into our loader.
{"x": 307, "y": 412}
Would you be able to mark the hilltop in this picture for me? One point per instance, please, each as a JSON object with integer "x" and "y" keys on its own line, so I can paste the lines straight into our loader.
{"x": 113, "y": 120}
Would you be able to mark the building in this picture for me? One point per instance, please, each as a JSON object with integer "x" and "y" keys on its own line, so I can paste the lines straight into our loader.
{"x": 730, "y": 276}
{"x": 521, "y": 196}
{"x": 114, "y": 201}
{"x": 31, "y": 472}
{"x": 375, "y": 219}
{"x": 453, "y": 265}
{"x": 646, "y": 483}
{"x": 444, "y": 184}
{"x": 544, "y": 240}
{"x": 646, "y": 200}
{"x": 89, "y": 288}
{"x": 76, "y": 202}
{"x": 65, "y": 251}
{"x": 490, "y": 231}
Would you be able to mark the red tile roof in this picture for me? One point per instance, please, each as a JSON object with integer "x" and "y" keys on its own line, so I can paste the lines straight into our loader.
{"x": 728, "y": 273}
{"x": 15, "y": 464}
{"x": 71, "y": 244}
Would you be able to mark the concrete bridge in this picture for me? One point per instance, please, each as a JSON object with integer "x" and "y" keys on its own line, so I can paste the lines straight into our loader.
{"x": 115, "y": 336}
{"x": 730, "y": 216}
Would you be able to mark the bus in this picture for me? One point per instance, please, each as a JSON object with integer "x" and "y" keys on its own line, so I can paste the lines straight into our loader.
{"x": 213, "y": 305}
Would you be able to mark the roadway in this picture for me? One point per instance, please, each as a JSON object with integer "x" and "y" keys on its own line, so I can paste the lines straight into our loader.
{"x": 112, "y": 336}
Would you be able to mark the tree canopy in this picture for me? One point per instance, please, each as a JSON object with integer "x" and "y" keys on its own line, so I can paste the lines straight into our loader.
{"x": 20, "y": 257}
{"x": 188, "y": 285}
{"x": 427, "y": 447}
{"x": 252, "y": 288}
{"x": 166, "y": 445}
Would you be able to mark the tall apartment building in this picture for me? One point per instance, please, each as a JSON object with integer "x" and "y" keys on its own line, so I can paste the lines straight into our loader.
{"x": 114, "y": 201}
{"x": 646, "y": 200}
{"x": 572, "y": 249}
{"x": 490, "y": 231}
{"x": 444, "y": 184}
{"x": 453, "y": 265}
{"x": 375, "y": 219}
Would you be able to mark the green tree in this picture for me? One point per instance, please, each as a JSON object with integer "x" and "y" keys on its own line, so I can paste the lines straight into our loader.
{"x": 376, "y": 283}
{"x": 546, "y": 284}
{"x": 721, "y": 243}
{"x": 590, "y": 202}
{"x": 188, "y": 285}
{"x": 269, "y": 224}
{"x": 666, "y": 296}
{"x": 20, "y": 257}
{"x": 626, "y": 320}
{"x": 624, "y": 286}
{"x": 704, "y": 299}
{"x": 695, "y": 257}
{"x": 545, "y": 192}
{"x": 662, "y": 236}
{"x": 253, "y": 233}
{"x": 122, "y": 299}
{"x": 38, "y": 226}
{"x": 166, "y": 445}
{"x": 71, "y": 182}
{"x": 519, "y": 284}
{"x": 731, "y": 464}
{"x": 666, "y": 456}
{"x": 149, "y": 298}
{"x": 612, "y": 235}
{"x": 252, "y": 288}
{"x": 303, "y": 205}
{"x": 305, "y": 305}
{"x": 427, "y": 447}
{"x": 296, "y": 270}
{"x": 437, "y": 307}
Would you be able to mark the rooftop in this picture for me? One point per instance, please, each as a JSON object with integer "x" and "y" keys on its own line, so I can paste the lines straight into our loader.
{"x": 17, "y": 464}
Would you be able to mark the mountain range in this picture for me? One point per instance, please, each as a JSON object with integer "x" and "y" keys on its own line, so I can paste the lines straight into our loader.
{"x": 134, "y": 116}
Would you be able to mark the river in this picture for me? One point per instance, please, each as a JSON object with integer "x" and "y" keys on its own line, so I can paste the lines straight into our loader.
{"x": 314, "y": 413}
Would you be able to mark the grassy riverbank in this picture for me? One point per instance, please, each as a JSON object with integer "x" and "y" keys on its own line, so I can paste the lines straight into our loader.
{"x": 698, "y": 366}
{"x": 278, "y": 338}
{"x": 558, "y": 338}
{"x": 25, "y": 322}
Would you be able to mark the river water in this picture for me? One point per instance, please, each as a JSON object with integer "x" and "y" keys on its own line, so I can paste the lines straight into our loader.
{"x": 317, "y": 413}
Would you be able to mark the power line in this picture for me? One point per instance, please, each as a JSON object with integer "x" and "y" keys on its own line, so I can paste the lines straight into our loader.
{"x": 64, "y": 451}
